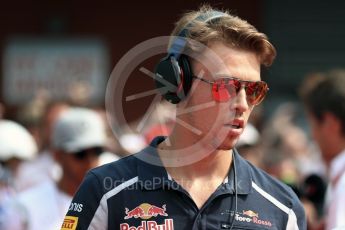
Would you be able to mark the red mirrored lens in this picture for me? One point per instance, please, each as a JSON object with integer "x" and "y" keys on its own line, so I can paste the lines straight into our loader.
{"x": 220, "y": 91}
{"x": 233, "y": 86}
{"x": 256, "y": 92}
{"x": 225, "y": 89}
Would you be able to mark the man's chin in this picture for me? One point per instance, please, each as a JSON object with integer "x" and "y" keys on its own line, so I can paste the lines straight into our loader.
{"x": 227, "y": 144}
{"x": 225, "y": 147}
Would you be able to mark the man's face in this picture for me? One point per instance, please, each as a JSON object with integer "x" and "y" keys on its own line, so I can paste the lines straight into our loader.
{"x": 323, "y": 132}
{"x": 75, "y": 167}
{"x": 222, "y": 123}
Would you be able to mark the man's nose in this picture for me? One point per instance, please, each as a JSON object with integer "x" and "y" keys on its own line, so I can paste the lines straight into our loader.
{"x": 240, "y": 102}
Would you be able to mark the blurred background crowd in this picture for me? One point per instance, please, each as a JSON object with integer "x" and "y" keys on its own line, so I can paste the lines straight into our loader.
{"x": 56, "y": 61}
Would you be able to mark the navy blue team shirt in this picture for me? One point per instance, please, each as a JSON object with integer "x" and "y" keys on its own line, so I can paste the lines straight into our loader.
{"x": 131, "y": 194}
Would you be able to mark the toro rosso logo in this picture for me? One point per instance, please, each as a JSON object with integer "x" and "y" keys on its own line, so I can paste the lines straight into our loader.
{"x": 250, "y": 213}
{"x": 252, "y": 217}
{"x": 145, "y": 211}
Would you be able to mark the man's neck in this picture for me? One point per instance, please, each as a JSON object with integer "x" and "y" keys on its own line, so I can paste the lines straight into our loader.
{"x": 67, "y": 185}
{"x": 214, "y": 166}
{"x": 201, "y": 177}
{"x": 212, "y": 163}
{"x": 335, "y": 149}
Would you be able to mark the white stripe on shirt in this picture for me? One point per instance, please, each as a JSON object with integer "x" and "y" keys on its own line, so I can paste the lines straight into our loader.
{"x": 100, "y": 219}
{"x": 292, "y": 221}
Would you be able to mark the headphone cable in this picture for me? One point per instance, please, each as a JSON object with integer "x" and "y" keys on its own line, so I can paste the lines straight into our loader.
{"x": 235, "y": 181}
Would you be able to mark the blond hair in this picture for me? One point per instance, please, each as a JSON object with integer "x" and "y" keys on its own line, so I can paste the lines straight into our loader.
{"x": 229, "y": 29}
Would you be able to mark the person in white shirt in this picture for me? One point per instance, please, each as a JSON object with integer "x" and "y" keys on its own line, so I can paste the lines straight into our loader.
{"x": 17, "y": 146}
{"x": 325, "y": 105}
{"x": 78, "y": 140}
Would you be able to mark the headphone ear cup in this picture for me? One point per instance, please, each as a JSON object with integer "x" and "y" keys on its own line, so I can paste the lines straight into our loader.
{"x": 167, "y": 79}
{"x": 187, "y": 76}
{"x": 173, "y": 79}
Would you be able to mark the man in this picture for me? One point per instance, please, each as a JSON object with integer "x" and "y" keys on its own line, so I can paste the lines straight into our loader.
{"x": 194, "y": 179}
{"x": 78, "y": 140}
{"x": 325, "y": 103}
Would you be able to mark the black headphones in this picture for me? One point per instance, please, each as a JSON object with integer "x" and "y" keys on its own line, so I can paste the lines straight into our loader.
{"x": 173, "y": 74}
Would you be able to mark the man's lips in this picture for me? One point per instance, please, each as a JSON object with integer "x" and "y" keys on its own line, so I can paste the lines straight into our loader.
{"x": 236, "y": 127}
{"x": 236, "y": 124}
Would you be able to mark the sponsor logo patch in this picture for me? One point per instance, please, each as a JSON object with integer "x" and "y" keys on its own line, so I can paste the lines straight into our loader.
{"x": 150, "y": 225}
{"x": 69, "y": 223}
{"x": 250, "y": 213}
{"x": 76, "y": 207}
{"x": 145, "y": 211}
{"x": 250, "y": 216}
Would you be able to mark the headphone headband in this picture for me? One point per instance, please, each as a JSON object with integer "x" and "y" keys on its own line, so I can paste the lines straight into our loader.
{"x": 180, "y": 41}
{"x": 174, "y": 69}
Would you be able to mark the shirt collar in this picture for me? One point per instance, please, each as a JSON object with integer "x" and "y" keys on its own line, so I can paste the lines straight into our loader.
{"x": 152, "y": 174}
{"x": 243, "y": 175}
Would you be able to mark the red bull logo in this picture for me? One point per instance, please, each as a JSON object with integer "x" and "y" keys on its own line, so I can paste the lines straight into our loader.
{"x": 136, "y": 213}
{"x": 145, "y": 211}
{"x": 155, "y": 211}
{"x": 150, "y": 225}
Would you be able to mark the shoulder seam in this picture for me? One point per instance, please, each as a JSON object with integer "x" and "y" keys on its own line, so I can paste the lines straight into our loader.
{"x": 97, "y": 178}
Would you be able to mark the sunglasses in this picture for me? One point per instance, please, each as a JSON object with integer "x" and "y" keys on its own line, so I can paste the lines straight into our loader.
{"x": 224, "y": 89}
{"x": 95, "y": 151}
